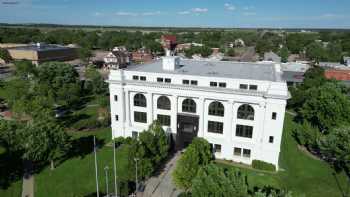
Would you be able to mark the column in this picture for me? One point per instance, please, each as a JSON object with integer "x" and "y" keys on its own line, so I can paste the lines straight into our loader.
{"x": 150, "y": 116}
{"x": 174, "y": 112}
{"x": 201, "y": 113}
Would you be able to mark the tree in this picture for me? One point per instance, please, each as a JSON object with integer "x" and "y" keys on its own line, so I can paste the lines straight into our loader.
{"x": 58, "y": 81}
{"x": 315, "y": 51}
{"x": 336, "y": 147}
{"x": 326, "y": 106}
{"x": 43, "y": 140}
{"x": 9, "y": 137}
{"x": 284, "y": 54}
{"x": 212, "y": 180}
{"x": 25, "y": 69}
{"x": 197, "y": 154}
{"x": 231, "y": 52}
{"x": 5, "y": 55}
{"x": 84, "y": 54}
{"x": 99, "y": 87}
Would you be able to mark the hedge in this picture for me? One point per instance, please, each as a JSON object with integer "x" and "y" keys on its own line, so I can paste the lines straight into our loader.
{"x": 261, "y": 165}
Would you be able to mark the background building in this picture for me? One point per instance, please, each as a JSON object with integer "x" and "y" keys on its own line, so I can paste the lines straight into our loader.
{"x": 38, "y": 53}
{"x": 238, "y": 107}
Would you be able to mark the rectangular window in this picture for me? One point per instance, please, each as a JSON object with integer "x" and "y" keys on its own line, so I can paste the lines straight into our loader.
{"x": 215, "y": 127}
{"x": 115, "y": 97}
{"x": 237, "y": 151}
{"x": 222, "y": 85}
{"x": 194, "y": 82}
{"x": 116, "y": 117}
{"x": 164, "y": 120}
{"x": 135, "y": 134}
{"x": 271, "y": 139}
{"x": 246, "y": 153}
{"x": 143, "y": 78}
{"x": 243, "y": 86}
{"x": 167, "y": 80}
{"x": 253, "y": 87}
{"x": 159, "y": 79}
{"x": 140, "y": 117}
{"x": 217, "y": 148}
{"x": 274, "y": 116}
{"x": 135, "y": 77}
{"x": 213, "y": 84}
{"x": 186, "y": 82}
{"x": 244, "y": 131}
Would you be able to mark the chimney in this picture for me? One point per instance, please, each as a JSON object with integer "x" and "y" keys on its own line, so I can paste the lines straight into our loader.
{"x": 170, "y": 62}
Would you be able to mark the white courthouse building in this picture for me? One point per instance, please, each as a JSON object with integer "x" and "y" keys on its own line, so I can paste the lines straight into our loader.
{"x": 238, "y": 107}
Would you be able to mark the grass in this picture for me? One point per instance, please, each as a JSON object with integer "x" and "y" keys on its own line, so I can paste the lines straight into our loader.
{"x": 14, "y": 190}
{"x": 76, "y": 176}
{"x": 301, "y": 174}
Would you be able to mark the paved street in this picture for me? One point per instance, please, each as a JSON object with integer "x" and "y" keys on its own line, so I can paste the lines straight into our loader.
{"x": 162, "y": 185}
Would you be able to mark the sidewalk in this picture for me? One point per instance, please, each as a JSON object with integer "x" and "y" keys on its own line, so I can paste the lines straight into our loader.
{"x": 162, "y": 185}
{"x": 28, "y": 180}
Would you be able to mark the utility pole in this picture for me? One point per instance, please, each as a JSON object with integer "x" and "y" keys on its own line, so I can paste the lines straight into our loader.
{"x": 106, "y": 174}
{"x": 137, "y": 184}
{"x": 97, "y": 192}
{"x": 115, "y": 171}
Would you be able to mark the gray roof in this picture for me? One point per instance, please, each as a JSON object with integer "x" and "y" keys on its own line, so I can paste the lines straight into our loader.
{"x": 43, "y": 47}
{"x": 221, "y": 69}
{"x": 292, "y": 76}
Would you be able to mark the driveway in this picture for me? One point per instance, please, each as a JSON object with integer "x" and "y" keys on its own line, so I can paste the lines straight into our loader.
{"x": 162, "y": 185}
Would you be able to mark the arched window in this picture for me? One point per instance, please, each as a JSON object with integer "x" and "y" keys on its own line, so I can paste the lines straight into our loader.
{"x": 245, "y": 112}
{"x": 163, "y": 103}
{"x": 140, "y": 100}
{"x": 188, "y": 105}
{"x": 216, "y": 109}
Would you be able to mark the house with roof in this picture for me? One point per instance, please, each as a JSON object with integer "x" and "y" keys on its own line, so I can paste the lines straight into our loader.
{"x": 238, "y": 107}
{"x": 117, "y": 59}
{"x": 272, "y": 57}
{"x": 346, "y": 61}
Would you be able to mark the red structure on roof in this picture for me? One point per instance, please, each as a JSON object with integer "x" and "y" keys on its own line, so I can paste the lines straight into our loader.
{"x": 168, "y": 41}
{"x": 340, "y": 75}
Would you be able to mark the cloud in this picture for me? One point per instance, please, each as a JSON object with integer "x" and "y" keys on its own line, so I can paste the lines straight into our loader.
{"x": 194, "y": 11}
{"x": 249, "y": 13}
{"x": 199, "y": 10}
{"x": 133, "y": 14}
{"x": 248, "y": 8}
{"x": 151, "y": 13}
{"x": 126, "y": 14}
{"x": 97, "y": 14}
{"x": 184, "y": 12}
{"x": 229, "y": 7}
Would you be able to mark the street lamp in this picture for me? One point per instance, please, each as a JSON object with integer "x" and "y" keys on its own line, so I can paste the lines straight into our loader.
{"x": 106, "y": 173}
{"x": 137, "y": 185}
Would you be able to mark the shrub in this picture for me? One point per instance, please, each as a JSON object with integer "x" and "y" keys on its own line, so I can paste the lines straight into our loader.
{"x": 261, "y": 165}
{"x": 87, "y": 124}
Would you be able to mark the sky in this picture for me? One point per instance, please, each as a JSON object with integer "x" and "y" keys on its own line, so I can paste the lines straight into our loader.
{"x": 181, "y": 13}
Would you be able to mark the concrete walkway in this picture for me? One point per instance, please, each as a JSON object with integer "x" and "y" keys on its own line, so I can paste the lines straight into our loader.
{"x": 28, "y": 186}
{"x": 162, "y": 185}
{"x": 28, "y": 180}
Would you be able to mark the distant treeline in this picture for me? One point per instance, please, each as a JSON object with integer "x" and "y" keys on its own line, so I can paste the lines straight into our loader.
{"x": 319, "y": 46}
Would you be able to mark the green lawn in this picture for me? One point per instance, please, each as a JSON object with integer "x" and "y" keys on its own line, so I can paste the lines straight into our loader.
{"x": 299, "y": 173}
{"x": 76, "y": 176}
{"x": 14, "y": 190}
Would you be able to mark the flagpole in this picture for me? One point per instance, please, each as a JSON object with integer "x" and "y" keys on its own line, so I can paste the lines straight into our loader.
{"x": 115, "y": 171}
{"x": 97, "y": 192}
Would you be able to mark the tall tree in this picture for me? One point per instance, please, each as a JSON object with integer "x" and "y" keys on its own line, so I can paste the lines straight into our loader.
{"x": 5, "y": 55}
{"x": 212, "y": 180}
{"x": 336, "y": 146}
{"x": 43, "y": 140}
{"x": 197, "y": 154}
